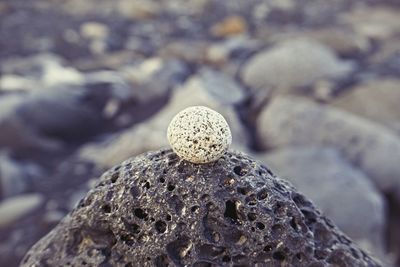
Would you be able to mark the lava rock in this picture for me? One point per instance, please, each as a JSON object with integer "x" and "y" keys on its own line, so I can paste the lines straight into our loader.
{"x": 344, "y": 193}
{"x": 157, "y": 210}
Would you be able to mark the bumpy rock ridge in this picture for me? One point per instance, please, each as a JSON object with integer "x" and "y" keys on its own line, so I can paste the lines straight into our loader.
{"x": 158, "y": 210}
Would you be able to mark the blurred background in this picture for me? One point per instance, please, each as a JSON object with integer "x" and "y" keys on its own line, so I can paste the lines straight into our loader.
{"x": 309, "y": 87}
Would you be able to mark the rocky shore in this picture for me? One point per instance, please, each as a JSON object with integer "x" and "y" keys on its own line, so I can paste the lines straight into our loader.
{"x": 310, "y": 88}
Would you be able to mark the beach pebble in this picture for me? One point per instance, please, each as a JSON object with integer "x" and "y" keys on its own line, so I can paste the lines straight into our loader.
{"x": 199, "y": 134}
{"x": 15, "y": 208}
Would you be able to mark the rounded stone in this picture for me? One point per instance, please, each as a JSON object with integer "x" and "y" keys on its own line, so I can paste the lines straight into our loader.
{"x": 199, "y": 134}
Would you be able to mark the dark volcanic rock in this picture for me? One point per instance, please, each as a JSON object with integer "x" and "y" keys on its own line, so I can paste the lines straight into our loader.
{"x": 157, "y": 210}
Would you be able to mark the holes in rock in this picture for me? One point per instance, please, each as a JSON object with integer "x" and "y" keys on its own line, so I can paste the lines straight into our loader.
{"x": 279, "y": 255}
{"x": 161, "y": 180}
{"x": 251, "y": 200}
{"x": 179, "y": 249}
{"x": 168, "y": 217}
{"x": 279, "y": 187}
{"x": 128, "y": 166}
{"x": 238, "y": 170}
{"x": 205, "y": 197}
{"x": 194, "y": 208}
{"x": 114, "y": 177}
{"x": 243, "y": 190}
{"x": 226, "y": 258}
{"x": 231, "y": 211}
{"x": 269, "y": 172}
{"x": 251, "y": 216}
{"x": 279, "y": 209}
{"x": 146, "y": 185}
{"x": 294, "y": 224}
{"x": 300, "y": 256}
{"x": 355, "y": 254}
{"x": 161, "y": 226}
{"x": 268, "y": 248}
{"x": 127, "y": 239}
{"x": 310, "y": 216}
{"x": 132, "y": 227}
{"x": 300, "y": 200}
{"x": 210, "y": 206}
{"x": 141, "y": 214}
{"x": 229, "y": 181}
{"x": 276, "y": 230}
{"x": 176, "y": 204}
{"x": 171, "y": 187}
{"x": 106, "y": 208}
{"x": 262, "y": 194}
{"x": 162, "y": 261}
{"x": 260, "y": 225}
{"x": 208, "y": 251}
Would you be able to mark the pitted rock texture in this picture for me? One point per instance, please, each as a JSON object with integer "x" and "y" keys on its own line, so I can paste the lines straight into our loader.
{"x": 158, "y": 210}
{"x": 199, "y": 134}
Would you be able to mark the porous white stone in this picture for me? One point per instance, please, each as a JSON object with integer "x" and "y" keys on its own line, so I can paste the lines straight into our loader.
{"x": 199, "y": 134}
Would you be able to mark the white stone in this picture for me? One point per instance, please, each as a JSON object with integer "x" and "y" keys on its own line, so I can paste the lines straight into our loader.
{"x": 15, "y": 208}
{"x": 293, "y": 63}
{"x": 199, "y": 134}
{"x": 150, "y": 134}
{"x": 94, "y": 30}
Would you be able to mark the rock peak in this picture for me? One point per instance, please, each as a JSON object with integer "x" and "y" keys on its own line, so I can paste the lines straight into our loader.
{"x": 159, "y": 210}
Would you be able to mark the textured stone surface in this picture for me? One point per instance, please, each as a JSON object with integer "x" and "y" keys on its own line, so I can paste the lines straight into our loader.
{"x": 199, "y": 134}
{"x": 156, "y": 210}
{"x": 343, "y": 193}
{"x": 372, "y": 148}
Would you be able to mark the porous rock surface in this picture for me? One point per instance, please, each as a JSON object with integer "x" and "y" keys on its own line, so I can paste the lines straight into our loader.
{"x": 158, "y": 210}
{"x": 199, "y": 134}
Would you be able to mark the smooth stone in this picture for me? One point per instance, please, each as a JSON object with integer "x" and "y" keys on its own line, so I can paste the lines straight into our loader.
{"x": 292, "y": 64}
{"x": 17, "y": 207}
{"x": 374, "y": 149}
{"x": 376, "y": 100}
